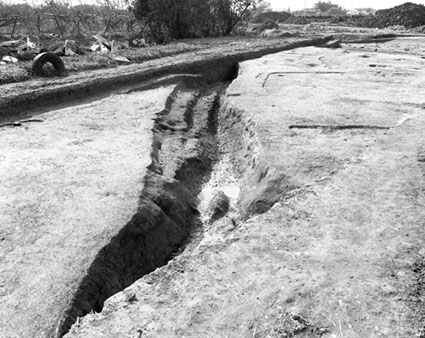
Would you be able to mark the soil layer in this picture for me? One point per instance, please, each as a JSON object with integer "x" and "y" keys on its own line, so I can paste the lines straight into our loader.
{"x": 327, "y": 145}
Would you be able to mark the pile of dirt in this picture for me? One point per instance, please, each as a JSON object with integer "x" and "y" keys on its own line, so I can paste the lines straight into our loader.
{"x": 297, "y": 20}
{"x": 408, "y": 15}
{"x": 271, "y": 16}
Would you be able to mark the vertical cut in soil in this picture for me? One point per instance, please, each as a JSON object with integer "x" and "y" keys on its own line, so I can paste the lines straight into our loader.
{"x": 183, "y": 151}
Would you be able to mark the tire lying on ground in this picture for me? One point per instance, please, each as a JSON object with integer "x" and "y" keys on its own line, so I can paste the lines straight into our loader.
{"x": 41, "y": 59}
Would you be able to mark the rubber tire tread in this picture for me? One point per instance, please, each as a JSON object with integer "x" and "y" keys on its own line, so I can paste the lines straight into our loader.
{"x": 41, "y": 59}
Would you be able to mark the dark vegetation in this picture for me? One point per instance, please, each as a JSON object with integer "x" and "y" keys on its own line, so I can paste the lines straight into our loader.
{"x": 324, "y": 6}
{"x": 157, "y": 21}
{"x": 191, "y": 18}
{"x": 58, "y": 17}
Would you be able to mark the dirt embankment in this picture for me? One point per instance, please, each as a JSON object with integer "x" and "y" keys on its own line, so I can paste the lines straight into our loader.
{"x": 409, "y": 15}
{"x": 261, "y": 185}
{"x": 36, "y": 94}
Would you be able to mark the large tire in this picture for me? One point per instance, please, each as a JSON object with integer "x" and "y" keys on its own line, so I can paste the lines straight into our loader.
{"x": 41, "y": 59}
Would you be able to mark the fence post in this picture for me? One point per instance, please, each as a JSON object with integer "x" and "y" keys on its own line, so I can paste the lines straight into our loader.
{"x": 14, "y": 27}
{"x": 57, "y": 24}
{"x": 39, "y": 24}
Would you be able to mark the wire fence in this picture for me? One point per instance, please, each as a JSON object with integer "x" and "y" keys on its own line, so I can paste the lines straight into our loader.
{"x": 73, "y": 23}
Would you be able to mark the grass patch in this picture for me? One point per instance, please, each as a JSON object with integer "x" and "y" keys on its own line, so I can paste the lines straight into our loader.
{"x": 15, "y": 72}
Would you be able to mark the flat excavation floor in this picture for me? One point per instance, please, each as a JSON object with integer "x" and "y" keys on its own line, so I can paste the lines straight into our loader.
{"x": 70, "y": 179}
{"x": 326, "y": 238}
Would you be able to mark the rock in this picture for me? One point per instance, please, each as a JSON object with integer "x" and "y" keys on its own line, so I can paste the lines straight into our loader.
{"x": 218, "y": 206}
{"x": 103, "y": 41}
{"x": 9, "y": 59}
{"x": 70, "y": 47}
{"x": 119, "y": 59}
{"x": 332, "y": 44}
{"x": 33, "y": 44}
{"x": 99, "y": 48}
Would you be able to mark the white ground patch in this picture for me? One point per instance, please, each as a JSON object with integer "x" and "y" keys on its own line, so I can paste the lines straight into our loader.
{"x": 67, "y": 185}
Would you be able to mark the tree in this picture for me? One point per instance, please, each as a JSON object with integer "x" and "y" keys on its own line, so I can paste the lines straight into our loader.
{"x": 324, "y": 6}
{"x": 239, "y": 10}
{"x": 262, "y": 7}
{"x": 171, "y": 19}
{"x": 114, "y": 13}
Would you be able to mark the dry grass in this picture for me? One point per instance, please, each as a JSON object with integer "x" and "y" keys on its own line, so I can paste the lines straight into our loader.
{"x": 14, "y": 72}
{"x": 21, "y": 71}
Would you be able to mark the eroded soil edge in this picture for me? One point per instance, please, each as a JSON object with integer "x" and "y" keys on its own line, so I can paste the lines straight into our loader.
{"x": 183, "y": 150}
{"x": 190, "y": 136}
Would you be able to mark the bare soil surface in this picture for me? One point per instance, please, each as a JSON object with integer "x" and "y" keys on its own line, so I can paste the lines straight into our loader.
{"x": 321, "y": 156}
{"x": 188, "y": 56}
{"x": 21, "y": 71}
{"x": 70, "y": 180}
{"x": 41, "y": 92}
{"x": 292, "y": 204}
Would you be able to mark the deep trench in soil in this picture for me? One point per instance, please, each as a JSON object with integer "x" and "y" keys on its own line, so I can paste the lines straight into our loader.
{"x": 190, "y": 136}
{"x": 183, "y": 152}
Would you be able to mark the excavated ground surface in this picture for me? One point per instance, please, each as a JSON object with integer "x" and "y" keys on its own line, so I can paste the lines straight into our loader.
{"x": 18, "y": 97}
{"x": 68, "y": 183}
{"x": 407, "y": 45}
{"x": 321, "y": 153}
{"x": 101, "y": 193}
{"x": 47, "y": 92}
{"x": 326, "y": 145}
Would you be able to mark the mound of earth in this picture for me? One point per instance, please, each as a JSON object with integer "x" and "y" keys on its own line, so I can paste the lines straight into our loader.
{"x": 408, "y": 15}
{"x": 273, "y": 16}
{"x": 297, "y": 20}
